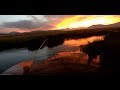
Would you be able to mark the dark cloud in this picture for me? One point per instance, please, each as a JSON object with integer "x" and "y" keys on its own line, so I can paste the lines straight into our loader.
{"x": 33, "y": 17}
{"x": 41, "y": 22}
{"x": 24, "y": 24}
{"x": 35, "y": 22}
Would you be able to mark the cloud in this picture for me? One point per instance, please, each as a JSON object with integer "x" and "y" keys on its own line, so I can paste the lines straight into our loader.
{"x": 33, "y": 17}
{"x": 36, "y": 22}
{"x": 38, "y": 18}
{"x": 24, "y": 24}
{"x": 7, "y": 30}
{"x": 56, "y": 18}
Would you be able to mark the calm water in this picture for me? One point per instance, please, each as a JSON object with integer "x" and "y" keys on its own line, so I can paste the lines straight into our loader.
{"x": 11, "y": 57}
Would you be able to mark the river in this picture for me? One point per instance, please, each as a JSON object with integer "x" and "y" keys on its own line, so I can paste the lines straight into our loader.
{"x": 12, "y": 57}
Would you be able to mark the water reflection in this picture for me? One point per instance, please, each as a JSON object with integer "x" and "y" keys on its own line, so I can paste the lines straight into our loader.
{"x": 26, "y": 65}
{"x": 19, "y": 69}
{"x": 50, "y": 48}
{"x": 97, "y": 53}
{"x": 50, "y": 43}
{"x": 64, "y": 63}
{"x": 83, "y": 41}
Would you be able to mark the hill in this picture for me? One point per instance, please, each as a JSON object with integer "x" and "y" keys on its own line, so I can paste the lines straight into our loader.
{"x": 105, "y": 26}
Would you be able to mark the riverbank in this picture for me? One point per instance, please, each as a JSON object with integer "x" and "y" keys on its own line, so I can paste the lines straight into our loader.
{"x": 35, "y": 39}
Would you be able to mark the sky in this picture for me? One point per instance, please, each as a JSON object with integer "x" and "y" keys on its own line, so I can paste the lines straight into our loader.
{"x": 27, "y": 23}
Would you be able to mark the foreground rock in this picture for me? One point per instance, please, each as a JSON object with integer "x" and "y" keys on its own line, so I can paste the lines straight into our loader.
{"x": 19, "y": 69}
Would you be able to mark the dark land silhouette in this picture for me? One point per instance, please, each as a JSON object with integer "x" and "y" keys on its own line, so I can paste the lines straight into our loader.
{"x": 69, "y": 64}
{"x": 109, "y": 51}
{"x": 33, "y": 40}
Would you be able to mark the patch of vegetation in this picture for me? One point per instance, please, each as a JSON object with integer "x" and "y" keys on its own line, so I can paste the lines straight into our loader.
{"x": 109, "y": 51}
{"x": 35, "y": 39}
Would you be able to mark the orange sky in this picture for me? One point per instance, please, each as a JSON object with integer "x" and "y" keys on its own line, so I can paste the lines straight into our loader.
{"x": 28, "y": 23}
{"x": 78, "y": 21}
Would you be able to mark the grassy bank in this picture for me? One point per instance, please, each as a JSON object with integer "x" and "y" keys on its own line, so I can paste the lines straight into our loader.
{"x": 36, "y": 38}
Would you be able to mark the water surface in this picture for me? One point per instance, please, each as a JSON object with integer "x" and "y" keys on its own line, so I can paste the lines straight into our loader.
{"x": 11, "y": 57}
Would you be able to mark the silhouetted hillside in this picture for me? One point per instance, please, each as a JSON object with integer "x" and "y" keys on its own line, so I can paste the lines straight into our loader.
{"x": 14, "y": 33}
{"x": 105, "y": 26}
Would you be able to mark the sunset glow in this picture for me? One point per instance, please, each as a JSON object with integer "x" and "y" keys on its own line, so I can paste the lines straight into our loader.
{"x": 85, "y": 41}
{"x": 77, "y": 21}
{"x": 29, "y": 23}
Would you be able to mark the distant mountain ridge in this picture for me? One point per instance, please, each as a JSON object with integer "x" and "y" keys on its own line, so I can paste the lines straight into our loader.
{"x": 105, "y": 26}
{"x": 14, "y": 33}
{"x": 115, "y": 25}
